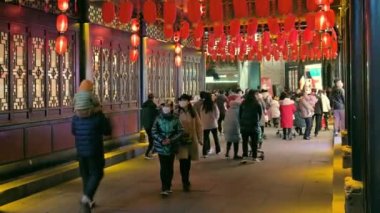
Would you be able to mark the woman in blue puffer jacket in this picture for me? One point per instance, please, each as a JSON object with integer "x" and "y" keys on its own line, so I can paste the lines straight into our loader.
{"x": 166, "y": 131}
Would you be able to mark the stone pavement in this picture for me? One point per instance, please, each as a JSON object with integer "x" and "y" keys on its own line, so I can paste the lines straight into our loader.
{"x": 295, "y": 177}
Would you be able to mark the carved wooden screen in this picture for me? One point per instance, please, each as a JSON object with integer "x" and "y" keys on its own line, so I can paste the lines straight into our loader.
{"x": 191, "y": 75}
{"x": 33, "y": 79}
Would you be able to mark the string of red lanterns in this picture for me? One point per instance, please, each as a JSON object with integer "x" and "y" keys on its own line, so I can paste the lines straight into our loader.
{"x": 62, "y": 25}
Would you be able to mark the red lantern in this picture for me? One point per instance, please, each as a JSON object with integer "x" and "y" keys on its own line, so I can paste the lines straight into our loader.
{"x": 259, "y": 56}
{"x": 234, "y": 27}
{"x": 274, "y": 28}
{"x": 268, "y": 57}
{"x": 194, "y": 11}
{"x": 289, "y": 23}
{"x": 311, "y": 6}
{"x": 211, "y": 40}
{"x": 108, "y": 12}
{"x": 252, "y": 26}
{"x": 231, "y": 49}
{"x": 322, "y": 2}
{"x": 310, "y": 21}
{"x": 185, "y": 29}
{"x": 170, "y": 12}
{"x": 331, "y": 18}
{"x": 262, "y": 8}
{"x": 61, "y": 44}
{"x": 177, "y": 49}
{"x": 326, "y": 40}
{"x": 199, "y": 30}
{"x": 316, "y": 41}
{"x": 276, "y": 56}
{"x": 133, "y": 55}
{"x": 135, "y": 25}
{"x": 150, "y": 11}
{"x": 125, "y": 12}
{"x": 240, "y": 8}
{"x": 308, "y": 36}
{"x": 218, "y": 29}
{"x": 63, "y": 5}
{"x": 326, "y": 7}
{"x": 62, "y": 23}
{"x": 265, "y": 40}
{"x": 293, "y": 37}
{"x": 135, "y": 40}
{"x": 216, "y": 11}
{"x": 285, "y": 6}
{"x": 321, "y": 21}
{"x": 168, "y": 31}
{"x": 176, "y": 36}
{"x": 178, "y": 61}
{"x": 281, "y": 42}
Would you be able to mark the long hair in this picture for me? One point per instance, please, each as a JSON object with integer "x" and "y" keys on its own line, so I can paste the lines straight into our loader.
{"x": 208, "y": 105}
{"x": 190, "y": 109}
{"x": 251, "y": 97}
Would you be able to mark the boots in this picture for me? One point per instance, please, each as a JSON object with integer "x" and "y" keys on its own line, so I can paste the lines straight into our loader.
{"x": 284, "y": 133}
{"x": 289, "y": 134}
{"x": 228, "y": 149}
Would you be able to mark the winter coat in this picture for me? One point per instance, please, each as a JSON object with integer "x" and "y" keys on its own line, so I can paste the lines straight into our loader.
{"x": 275, "y": 109}
{"x": 149, "y": 113}
{"x": 298, "y": 119}
{"x": 166, "y": 127}
{"x": 231, "y": 123}
{"x": 250, "y": 113}
{"x": 221, "y": 100}
{"x": 318, "y": 106}
{"x": 88, "y": 132}
{"x": 198, "y": 106}
{"x": 325, "y": 103}
{"x": 210, "y": 119}
{"x": 337, "y": 99}
{"x": 306, "y": 105}
{"x": 287, "y": 109}
{"x": 193, "y": 128}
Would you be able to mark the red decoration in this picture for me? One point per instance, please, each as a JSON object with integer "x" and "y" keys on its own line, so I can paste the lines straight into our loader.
{"x": 331, "y": 18}
{"x": 268, "y": 57}
{"x": 125, "y": 12}
{"x": 199, "y": 30}
{"x": 321, "y": 2}
{"x": 293, "y": 37}
{"x": 234, "y": 27}
{"x": 321, "y": 21}
{"x": 216, "y": 11}
{"x": 262, "y": 8}
{"x": 150, "y": 11}
{"x": 289, "y": 23}
{"x": 63, "y": 5}
{"x": 135, "y": 25}
{"x": 62, "y": 23}
{"x": 168, "y": 31}
{"x": 326, "y": 7}
{"x": 231, "y": 49}
{"x": 274, "y": 28}
{"x": 177, "y": 49}
{"x": 259, "y": 56}
{"x": 61, "y": 44}
{"x": 276, "y": 56}
{"x": 281, "y": 42}
{"x": 317, "y": 41}
{"x": 310, "y": 21}
{"x": 133, "y": 55}
{"x": 252, "y": 26}
{"x": 194, "y": 11}
{"x": 240, "y": 8}
{"x": 308, "y": 36}
{"x": 185, "y": 29}
{"x": 198, "y": 42}
{"x": 108, "y": 12}
{"x": 176, "y": 36}
{"x": 326, "y": 40}
{"x": 311, "y": 6}
{"x": 135, "y": 40}
{"x": 218, "y": 29}
{"x": 285, "y": 6}
{"x": 170, "y": 12}
{"x": 211, "y": 40}
{"x": 265, "y": 40}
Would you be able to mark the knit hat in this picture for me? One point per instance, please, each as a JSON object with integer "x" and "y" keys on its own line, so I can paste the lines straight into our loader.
{"x": 86, "y": 85}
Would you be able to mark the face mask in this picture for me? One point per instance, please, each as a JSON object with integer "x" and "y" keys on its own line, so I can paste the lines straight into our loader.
{"x": 166, "y": 110}
{"x": 183, "y": 104}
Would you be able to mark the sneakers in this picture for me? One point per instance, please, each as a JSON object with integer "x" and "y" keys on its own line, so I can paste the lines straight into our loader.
{"x": 148, "y": 157}
{"x": 86, "y": 201}
{"x": 164, "y": 193}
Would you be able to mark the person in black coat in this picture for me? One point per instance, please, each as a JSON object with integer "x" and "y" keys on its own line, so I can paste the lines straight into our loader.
{"x": 88, "y": 132}
{"x": 149, "y": 113}
{"x": 317, "y": 114}
{"x": 250, "y": 113}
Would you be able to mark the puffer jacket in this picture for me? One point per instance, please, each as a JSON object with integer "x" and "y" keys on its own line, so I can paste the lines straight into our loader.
{"x": 231, "y": 123}
{"x": 88, "y": 132}
{"x": 250, "y": 113}
{"x": 275, "y": 109}
{"x": 149, "y": 113}
{"x": 166, "y": 127}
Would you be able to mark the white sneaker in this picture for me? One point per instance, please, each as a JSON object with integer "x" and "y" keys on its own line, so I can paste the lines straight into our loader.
{"x": 88, "y": 201}
{"x": 164, "y": 193}
{"x": 169, "y": 191}
{"x": 210, "y": 151}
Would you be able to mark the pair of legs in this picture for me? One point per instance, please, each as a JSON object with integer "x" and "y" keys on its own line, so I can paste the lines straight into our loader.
{"x": 91, "y": 171}
{"x": 166, "y": 171}
{"x": 275, "y": 122}
{"x": 185, "y": 166}
{"x": 326, "y": 116}
{"x": 299, "y": 130}
{"x": 220, "y": 121}
{"x": 339, "y": 120}
{"x": 236, "y": 149}
{"x": 318, "y": 123}
{"x": 206, "y": 141}
{"x": 254, "y": 136}
{"x": 150, "y": 139}
{"x": 309, "y": 125}
{"x": 287, "y": 133}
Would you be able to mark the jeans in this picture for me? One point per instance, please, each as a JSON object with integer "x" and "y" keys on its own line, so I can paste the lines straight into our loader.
{"x": 150, "y": 139}
{"x": 318, "y": 123}
{"x": 220, "y": 120}
{"x": 254, "y": 136}
{"x": 309, "y": 125}
{"x": 184, "y": 166}
{"x": 206, "y": 141}
{"x": 91, "y": 171}
{"x": 166, "y": 171}
{"x": 339, "y": 121}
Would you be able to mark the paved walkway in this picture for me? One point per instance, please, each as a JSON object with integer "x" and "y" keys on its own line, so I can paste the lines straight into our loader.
{"x": 295, "y": 177}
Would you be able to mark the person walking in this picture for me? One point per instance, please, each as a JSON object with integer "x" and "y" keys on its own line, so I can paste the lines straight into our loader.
{"x": 325, "y": 108}
{"x": 337, "y": 102}
{"x": 317, "y": 115}
{"x": 221, "y": 102}
{"x": 149, "y": 113}
{"x": 275, "y": 111}
{"x": 232, "y": 129}
{"x": 306, "y": 105}
{"x": 193, "y": 135}
{"x": 166, "y": 131}
{"x": 287, "y": 109}
{"x": 250, "y": 113}
{"x": 88, "y": 132}
{"x": 209, "y": 116}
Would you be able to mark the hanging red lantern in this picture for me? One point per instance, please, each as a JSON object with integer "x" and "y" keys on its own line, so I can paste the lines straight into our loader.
{"x": 194, "y": 11}
{"x": 234, "y": 27}
{"x": 310, "y": 21}
{"x": 63, "y": 5}
{"x": 308, "y": 36}
{"x": 316, "y": 41}
{"x": 293, "y": 37}
{"x": 135, "y": 25}
{"x": 326, "y": 40}
{"x": 62, "y": 23}
{"x": 218, "y": 29}
{"x": 262, "y": 8}
{"x": 178, "y": 61}
{"x": 289, "y": 23}
{"x": 331, "y": 18}
{"x": 176, "y": 36}
{"x": 321, "y": 21}
{"x": 150, "y": 11}
{"x": 216, "y": 11}
{"x": 177, "y": 48}
{"x": 311, "y": 6}
{"x": 125, "y": 12}
{"x": 259, "y": 56}
{"x": 321, "y": 2}
{"x": 185, "y": 30}
{"x": 199, "y": 30}
{"x": 211, "y": 40}
{"x": 285, "y": 6}
{"x": 276, "y": 56}
{"x": 108, "y": 11}
{"x": 170, "y": 12}
{"x": 133, "y": 55}
{"x": 252, "y": 26}
{"x": 268, "y": 57}
{"x": 231, "y": 49}
{"x": 168, "y": 31}
{"x": 274, "y": 28}
{"x": 265, "y": 40}
{"x": 281, "y": 42}
{"x": 61, "y": 44}
{"x": 240, "y": 8}
{"x": 135, "y": 40}
{"x": 326, "y": 7}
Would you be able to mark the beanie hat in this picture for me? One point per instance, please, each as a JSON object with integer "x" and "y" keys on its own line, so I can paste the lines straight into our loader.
{"x": 86, "y": 85}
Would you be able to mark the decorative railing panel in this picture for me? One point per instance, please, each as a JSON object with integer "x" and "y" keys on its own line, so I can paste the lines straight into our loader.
{"x": 4, "y": 72}
{"x": 191, "y": 75}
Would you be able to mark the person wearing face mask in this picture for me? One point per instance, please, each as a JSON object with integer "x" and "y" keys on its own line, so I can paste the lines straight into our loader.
{"x": 167, "y": 131}
{"x": 188, "y": 148}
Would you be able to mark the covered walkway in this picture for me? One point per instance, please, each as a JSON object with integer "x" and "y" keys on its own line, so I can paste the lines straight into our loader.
{"x": 296, "y": 176}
